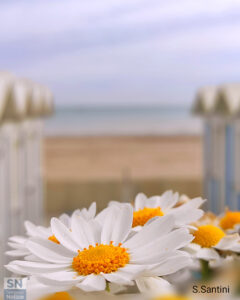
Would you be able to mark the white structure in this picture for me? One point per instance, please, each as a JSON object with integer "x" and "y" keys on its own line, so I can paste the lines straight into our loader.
{"x": 33, "y": 151}
{"x": 40, "y": 106}
{"x": 220, "y": 107}
{"x": 14, "y": 116}
{"x": 5, "y": 207}
{"x": 23, "y": 105}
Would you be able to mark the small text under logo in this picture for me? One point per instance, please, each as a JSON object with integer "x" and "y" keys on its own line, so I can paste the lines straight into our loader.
{"x": 15, "y": 288}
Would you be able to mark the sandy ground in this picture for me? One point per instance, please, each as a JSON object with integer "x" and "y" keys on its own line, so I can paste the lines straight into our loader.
{"x": 79, "y": 170}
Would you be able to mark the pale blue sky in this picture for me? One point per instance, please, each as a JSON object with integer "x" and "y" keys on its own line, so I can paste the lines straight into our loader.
{"x": 122, "y": 51}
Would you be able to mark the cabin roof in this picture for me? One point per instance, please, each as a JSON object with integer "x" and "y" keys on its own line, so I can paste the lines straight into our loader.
{"x": 221, "y": 100}
{"x": 205, "y": 100}
{"x": 21, "y": 98}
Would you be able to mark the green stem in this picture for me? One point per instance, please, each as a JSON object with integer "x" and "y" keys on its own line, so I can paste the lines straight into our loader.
{"x": 107, "y": 287}
{"x": 206, "y": 271}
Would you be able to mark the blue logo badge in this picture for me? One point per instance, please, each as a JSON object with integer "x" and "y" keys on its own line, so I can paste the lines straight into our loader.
{"x": 15, "y": 288}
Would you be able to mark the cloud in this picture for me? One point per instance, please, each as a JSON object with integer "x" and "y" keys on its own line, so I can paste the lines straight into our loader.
{"x": 124, "y": 51}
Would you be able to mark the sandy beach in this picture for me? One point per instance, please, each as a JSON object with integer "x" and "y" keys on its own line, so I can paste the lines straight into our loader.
{"x": 79, "y": 170}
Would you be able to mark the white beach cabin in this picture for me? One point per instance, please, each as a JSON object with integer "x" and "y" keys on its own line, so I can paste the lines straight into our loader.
{"x": 14, "y": 115}
{"x": 204, "y": 106}
{"x": 23, "y": 106}
{"x": 228, "y": 108}
{"x": 220, "y": 106}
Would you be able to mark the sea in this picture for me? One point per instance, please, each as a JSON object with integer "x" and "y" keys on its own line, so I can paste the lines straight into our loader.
{"x": 137, "y": 121}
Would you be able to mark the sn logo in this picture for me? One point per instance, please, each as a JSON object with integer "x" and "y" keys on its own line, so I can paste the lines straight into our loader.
{"x": 15, "y": 283}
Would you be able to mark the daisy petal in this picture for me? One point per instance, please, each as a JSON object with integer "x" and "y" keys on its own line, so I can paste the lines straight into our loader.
{"x": 17, "y": 270}
{"x": 189, "y": 212}
{"x": 118, "y": 278}
{"x": 186, "y": 216}
{"x": 100, "y": 218}
{"x": 123, "y": 224}
{"x": 235, "y": 248}
{"x": 64, "y": 235}
{"x": 168, "y": 200}
{"x": 31, "y": 229}
{"x": 227, "y": 242}
{"x": 159, "y": 227}
{"x": 60, "y": 278}
{"x": 126, "y": 275}
{"x": 83, "y": 232}
{"x": 170, "y": 242}
{"x": 92, "y": 283}
{"x": 154, "y": 285}
{"x": 194, "y": 203}
{"x": 108, "y": 223}
{"x": 84, "y": 213}
{"x": 32, "y": 257}
{"x": 18, "y": 252}
{"x": 49, "y": 251}
{"x": 37, "y": 290}
{"x": 117, "y": 224}
{"x": 37, "y": 267}
{"x": 192, "y": 248}
{"x": 92, "y": 210}
{"x": 96, "y": 228}
{"x": 66, "y": 220}
{"x": 44, "y": 232}
{"x": 172, "y": 265}
{"x": 133, "y": 269}
{"x": 140, "y": 201}
{"x": 17, "y": 239}
{"x": 207, "y": 254}
{"x": 16, "y": 245}
{"x": 153, "y": 202}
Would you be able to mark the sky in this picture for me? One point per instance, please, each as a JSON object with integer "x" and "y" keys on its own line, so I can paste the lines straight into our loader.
{"x": 122, "y": 52}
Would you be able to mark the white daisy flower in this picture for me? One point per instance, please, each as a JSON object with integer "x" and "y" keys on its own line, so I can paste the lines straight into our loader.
{"x": 157, "y": 206}
{"x": 230, "y": 221}
{"x": 210, "y": 240}
{"x": 91, "y": 256}
{"x": 18, "y": 243}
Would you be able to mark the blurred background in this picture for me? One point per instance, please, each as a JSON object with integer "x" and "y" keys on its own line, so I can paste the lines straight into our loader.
{"x": 124, "y": 75}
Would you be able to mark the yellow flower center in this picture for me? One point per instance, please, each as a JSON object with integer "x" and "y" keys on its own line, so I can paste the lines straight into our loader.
{"x": 208, "y": 236}
{"x": 53, "y": 239}
{"x": 141, "y": 216}
{"x": 230, "y": 219}
{"x": 100, "y": 259}
{"x": 58, "y": 296}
